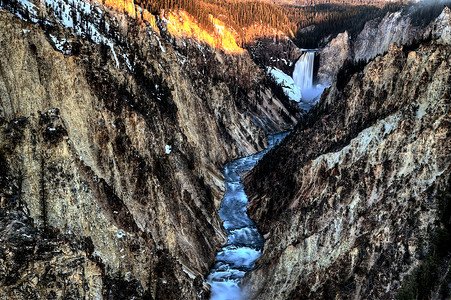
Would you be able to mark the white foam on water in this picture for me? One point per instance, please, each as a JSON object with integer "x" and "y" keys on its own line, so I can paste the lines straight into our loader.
{"x": 245, "y": 242}
{"x": 225, "y": 290}
{"x": 303, "y": 79}
{"x": 303, "y": 71}
{"x": 239, "y": 258}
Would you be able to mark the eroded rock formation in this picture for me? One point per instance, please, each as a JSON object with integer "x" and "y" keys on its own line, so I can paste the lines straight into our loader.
{"x": 348, "y": 203}
{"x": 332, "y": 57}
{"x": 111, "y": 154}
{"x": 401, "y": 28}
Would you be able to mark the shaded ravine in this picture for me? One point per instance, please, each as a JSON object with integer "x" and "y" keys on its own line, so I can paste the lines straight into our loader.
{"x": 244, "y": 241}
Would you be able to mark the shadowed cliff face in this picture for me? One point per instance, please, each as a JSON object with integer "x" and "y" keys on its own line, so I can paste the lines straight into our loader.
{"x": 347, "y": 204}
{"x": 119, "y": 145}
{"x": 401, "y": 27}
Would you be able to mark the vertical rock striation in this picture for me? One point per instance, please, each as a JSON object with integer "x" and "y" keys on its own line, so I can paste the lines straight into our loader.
{"x": 402, "y": 28}
{"x": 111, "y": 155}
{"x": 332, "y": 57}
{"x": 348, "y": 203}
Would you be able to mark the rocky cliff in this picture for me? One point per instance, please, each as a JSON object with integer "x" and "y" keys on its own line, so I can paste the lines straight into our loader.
{"x": 276, "y": 52}
{"x": 355, "y": 203}
{"x": 112, "y": 137}
{"x": 377, "y": 35}
{"x": 332, "y": 58}
{"x": 404, "y": 27}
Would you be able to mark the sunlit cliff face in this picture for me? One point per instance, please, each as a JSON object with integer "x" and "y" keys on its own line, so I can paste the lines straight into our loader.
{"x": 127, "y": 6}
{"x": 133, "y": 10}
{"x": 183, "y": 25}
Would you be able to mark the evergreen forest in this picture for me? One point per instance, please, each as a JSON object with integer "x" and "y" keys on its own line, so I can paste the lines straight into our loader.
{"x": 309, "y": 26}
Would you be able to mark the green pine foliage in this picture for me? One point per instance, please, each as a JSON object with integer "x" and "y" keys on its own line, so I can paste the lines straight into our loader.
{"x": 324, "y": 18}
{"x": 327, "y": 18}
{"x": 238, "y": 15}
{"x": 428, "y": 11}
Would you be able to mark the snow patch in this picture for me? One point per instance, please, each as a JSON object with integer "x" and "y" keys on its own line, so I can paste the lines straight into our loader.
{"x": 287, "y": 83}
{"x": 127, "y": 62}
{"x": 422, "y": 110}
{"x": 31, "y": 8}
{"x": 60, "y": 44}
{"x": 306, "y": 97}
{"x": 120, "y": 234}
{"x": 168, "y": 149}
{"x": 190, "y": 275}
{"x": 159, "y": 43}
{"x": 109, "y": 43}
{"x": 78, "y": 15}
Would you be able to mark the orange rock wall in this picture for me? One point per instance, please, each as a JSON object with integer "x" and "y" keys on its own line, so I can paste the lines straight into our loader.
{"x": 129, "y": 7}
{"x": 181, "y": 24}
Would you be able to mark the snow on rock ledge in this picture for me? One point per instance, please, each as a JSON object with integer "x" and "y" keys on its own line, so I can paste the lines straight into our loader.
{"x": 287, "y": 83}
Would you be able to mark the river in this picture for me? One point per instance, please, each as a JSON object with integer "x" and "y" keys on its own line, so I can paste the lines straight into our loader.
{"x": 244, "y": 243}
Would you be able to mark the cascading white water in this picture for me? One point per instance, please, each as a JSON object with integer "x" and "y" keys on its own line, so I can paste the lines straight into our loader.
{"x": 244, "y": 241}
{"x": 303, "y": 71}
{"x": 303, "y": 79}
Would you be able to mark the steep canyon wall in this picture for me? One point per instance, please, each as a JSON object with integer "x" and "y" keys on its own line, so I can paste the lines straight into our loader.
{"x": 349, "y": 204}
{"x": 111, "y": 155}
{"x": 401, "y": 28}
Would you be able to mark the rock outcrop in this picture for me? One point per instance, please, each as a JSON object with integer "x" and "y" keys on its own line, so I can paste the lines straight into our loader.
{"x": 332, "y": 58}
{"x": 349, "y": 203}
{"x": 276, "y": 51}
{"x": 112, "y": 138}
{"x": 441, "y": 27}
{"x": 377, "y": 35}
{"x": 403, "y": 27}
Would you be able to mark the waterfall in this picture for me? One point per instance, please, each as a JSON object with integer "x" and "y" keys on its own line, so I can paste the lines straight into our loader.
{"x": 303, "y": 71}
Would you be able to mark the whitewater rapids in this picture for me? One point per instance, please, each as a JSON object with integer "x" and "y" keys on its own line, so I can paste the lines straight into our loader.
{"x": 244, "y": 241}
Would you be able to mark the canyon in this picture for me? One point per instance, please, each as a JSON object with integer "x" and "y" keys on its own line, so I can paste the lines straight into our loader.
{"x": 112, "y": 147}
{"x": 352, "y": 205}
{"x": 403, "y": 27}
{"x": 121, "y": 131}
